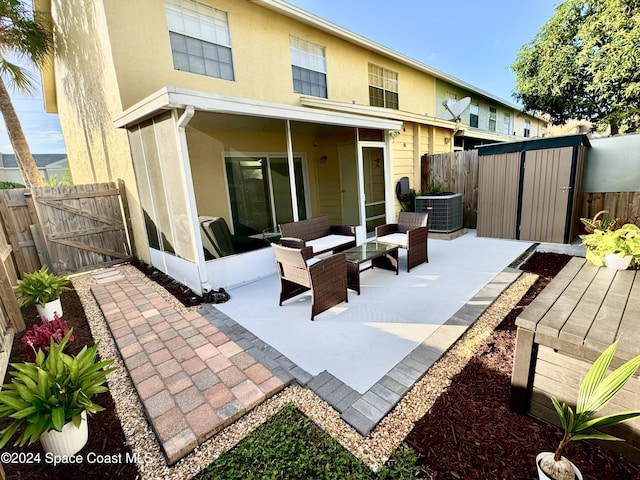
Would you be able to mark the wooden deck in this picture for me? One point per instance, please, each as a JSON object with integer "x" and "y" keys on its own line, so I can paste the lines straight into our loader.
{"x": 582, "y": 311}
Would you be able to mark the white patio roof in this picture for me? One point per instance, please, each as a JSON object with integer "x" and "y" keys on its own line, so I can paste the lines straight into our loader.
{"x": 169, "y": 98}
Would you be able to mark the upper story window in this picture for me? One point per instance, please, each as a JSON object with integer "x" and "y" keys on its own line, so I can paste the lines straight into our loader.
{"x": 309, "y": 67}
{"x": 451, "y": 95}
{"x": 383, "y": 87}
{"x": 474, "y": 114}
{"x": 492, "y": 119}
{"x": 527, "y": 128}
{"x": 506, "y": 124}
{"x": 200, "y": 38}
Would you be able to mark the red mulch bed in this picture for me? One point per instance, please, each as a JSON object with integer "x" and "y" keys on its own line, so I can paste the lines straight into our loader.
{"x": 470, "y": 433}
{"x": 105, "y": 432}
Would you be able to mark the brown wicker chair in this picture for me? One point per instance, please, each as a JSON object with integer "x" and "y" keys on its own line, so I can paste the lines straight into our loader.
{"x": 410, "y": 233}
{"x": 300, "y": 272}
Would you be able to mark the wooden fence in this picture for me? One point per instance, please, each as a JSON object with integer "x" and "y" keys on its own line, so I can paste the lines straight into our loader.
{"x": 69, "y": 228}
{"x": 622, "y": 205}
{"x": 458, "y": 171}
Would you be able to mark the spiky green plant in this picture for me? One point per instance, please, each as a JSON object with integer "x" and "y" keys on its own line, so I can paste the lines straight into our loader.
{"x": 596, "y": 390}
{"x": 41, "y": 287}
{"x": 54, "y": 390}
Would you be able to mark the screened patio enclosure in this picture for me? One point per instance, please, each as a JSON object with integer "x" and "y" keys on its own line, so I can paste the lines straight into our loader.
{"x": 251, "y": 166}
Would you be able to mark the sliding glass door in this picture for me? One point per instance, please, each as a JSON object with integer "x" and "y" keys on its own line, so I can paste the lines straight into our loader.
{"x": 260, "y": 192}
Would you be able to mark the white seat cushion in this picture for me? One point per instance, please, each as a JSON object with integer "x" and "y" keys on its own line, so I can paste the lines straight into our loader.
{"x": 399, "y": 239}
{"x": 313, "y": 261}
{"x": 328, "y": 242}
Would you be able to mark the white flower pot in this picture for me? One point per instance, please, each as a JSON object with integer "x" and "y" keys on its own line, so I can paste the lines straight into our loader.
{"x": 67, "y": 442}
{"x": 615, "y": 262}
{"x": 50, "y": 309}
{"x": 544, "y": 476}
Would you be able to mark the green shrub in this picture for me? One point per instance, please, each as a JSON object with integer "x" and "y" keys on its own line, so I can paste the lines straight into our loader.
{"x": 8, "y": 185}
{"x": 289, "y": 445}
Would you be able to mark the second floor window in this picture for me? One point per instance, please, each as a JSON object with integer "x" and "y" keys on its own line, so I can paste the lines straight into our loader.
{"x": 309, "y": 68}
{"x": 506, "y": 125}
{"x": 383, "y": 87}
{"x": 474, "y": 113}
{"x": 200, "y": 38}
{"x": 527, "y": 128}
{"x": 492, "y": 119}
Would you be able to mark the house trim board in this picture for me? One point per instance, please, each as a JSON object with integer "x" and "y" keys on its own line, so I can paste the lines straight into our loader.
{"x": 178, "y": 98}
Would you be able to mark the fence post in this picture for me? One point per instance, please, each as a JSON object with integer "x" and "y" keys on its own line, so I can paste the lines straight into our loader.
{"x": 127, "y": 216}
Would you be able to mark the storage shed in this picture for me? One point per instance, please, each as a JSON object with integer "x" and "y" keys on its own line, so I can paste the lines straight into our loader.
{"x": 531, "y": 190}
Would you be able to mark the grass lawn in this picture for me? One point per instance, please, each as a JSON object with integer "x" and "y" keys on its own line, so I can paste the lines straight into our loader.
{"x": 291, "y": 446}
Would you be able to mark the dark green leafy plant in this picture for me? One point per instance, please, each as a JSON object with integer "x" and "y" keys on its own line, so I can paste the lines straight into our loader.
{"x": 9, "y": 185}
{"x": 54, "y": 390}
{"x": 595, "y": 392}
{"x": 289, "y": 445}
{"x": 597, "y": 223}
{"x": 41, "y": 287}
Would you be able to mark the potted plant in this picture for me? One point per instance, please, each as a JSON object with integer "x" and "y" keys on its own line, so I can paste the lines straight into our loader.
{"x": 605, "y": 247}
{"x": 597, "y": 223}
{"x": 42, "y": 289}
{"x": 49, "y": 399}
{"x": 595, "y": 392}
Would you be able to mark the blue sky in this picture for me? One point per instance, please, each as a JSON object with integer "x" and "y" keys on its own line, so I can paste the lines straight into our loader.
{"x": 475, "y": 41}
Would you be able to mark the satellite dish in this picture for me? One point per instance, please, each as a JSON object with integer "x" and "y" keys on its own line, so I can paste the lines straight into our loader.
{"x": 454, "y": 109}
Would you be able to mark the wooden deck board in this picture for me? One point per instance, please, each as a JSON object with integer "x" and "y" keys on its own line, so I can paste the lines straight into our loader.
{"x": 605, "y": 327}
{"x": 545, "y": 300}
{"x": 557, "y": 316}
{"x": 581, "y": 319}
{"x": 629, "y": 331}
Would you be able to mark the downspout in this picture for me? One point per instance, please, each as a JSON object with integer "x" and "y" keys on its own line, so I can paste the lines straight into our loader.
{"x": 182, "y": 123}
{"x": 292, "y": 173}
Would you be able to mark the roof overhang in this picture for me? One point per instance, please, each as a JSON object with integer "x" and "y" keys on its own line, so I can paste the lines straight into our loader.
{"x": 170, "y": 98}
{"x": 378, "y": 112}
{"x": 561, "y": 141}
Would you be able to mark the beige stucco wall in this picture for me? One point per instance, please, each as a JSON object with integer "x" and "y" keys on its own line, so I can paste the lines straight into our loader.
{"x": 88, "y": 99}
{"x": 262, "y": 64}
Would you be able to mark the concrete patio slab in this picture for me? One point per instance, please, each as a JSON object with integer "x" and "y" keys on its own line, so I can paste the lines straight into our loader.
{"x": 359, "y": 342}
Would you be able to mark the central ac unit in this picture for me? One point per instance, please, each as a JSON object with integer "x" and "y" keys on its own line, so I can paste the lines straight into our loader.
{"x": 444, "y": 209}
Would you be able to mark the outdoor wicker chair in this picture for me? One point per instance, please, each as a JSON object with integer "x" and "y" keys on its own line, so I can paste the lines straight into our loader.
{"x": 410, "y": 233}
{"x": 300, "y": 272}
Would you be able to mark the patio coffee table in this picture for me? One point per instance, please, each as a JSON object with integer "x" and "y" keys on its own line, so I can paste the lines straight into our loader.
{"x": 380, "y": 255}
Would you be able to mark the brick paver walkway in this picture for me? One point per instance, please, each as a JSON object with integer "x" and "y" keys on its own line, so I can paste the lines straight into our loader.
{"x": 191, "y": 378}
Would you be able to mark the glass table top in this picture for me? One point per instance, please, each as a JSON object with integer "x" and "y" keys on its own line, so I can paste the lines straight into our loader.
{"x": 367, "y": 251}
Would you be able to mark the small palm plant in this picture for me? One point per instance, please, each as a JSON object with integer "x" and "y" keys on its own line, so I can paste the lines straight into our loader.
{"x": 56, "y": 389}
{"x": 595, "y": 392}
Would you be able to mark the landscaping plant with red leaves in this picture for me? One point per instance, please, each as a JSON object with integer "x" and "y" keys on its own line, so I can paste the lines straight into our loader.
{"x": 471, "y": 434}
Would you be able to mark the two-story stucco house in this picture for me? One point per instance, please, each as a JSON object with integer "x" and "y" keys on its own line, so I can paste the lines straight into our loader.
{"x": 250, "y": 110}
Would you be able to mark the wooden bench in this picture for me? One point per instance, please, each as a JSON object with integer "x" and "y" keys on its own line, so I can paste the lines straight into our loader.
{"x": 582, "y": 311}
{"x": 319, "y": 235}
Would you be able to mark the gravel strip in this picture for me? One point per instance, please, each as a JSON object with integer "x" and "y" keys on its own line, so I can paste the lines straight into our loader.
{"x": 374, "y": 449}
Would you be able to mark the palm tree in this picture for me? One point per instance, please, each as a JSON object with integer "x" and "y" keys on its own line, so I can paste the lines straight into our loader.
{"x": 23, "y": 37}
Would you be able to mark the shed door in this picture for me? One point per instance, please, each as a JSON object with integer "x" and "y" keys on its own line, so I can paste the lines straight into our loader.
{"x": 545, "y": 194}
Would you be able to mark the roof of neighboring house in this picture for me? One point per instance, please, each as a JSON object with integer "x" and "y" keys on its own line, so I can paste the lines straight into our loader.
{"x": 8, "y": 160}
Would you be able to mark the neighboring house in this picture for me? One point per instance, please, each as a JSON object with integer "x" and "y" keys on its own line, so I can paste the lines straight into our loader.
{"x": 49, "y": 165}
{"x": 254, "y": 110}
{"x": 487, "y": 119}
